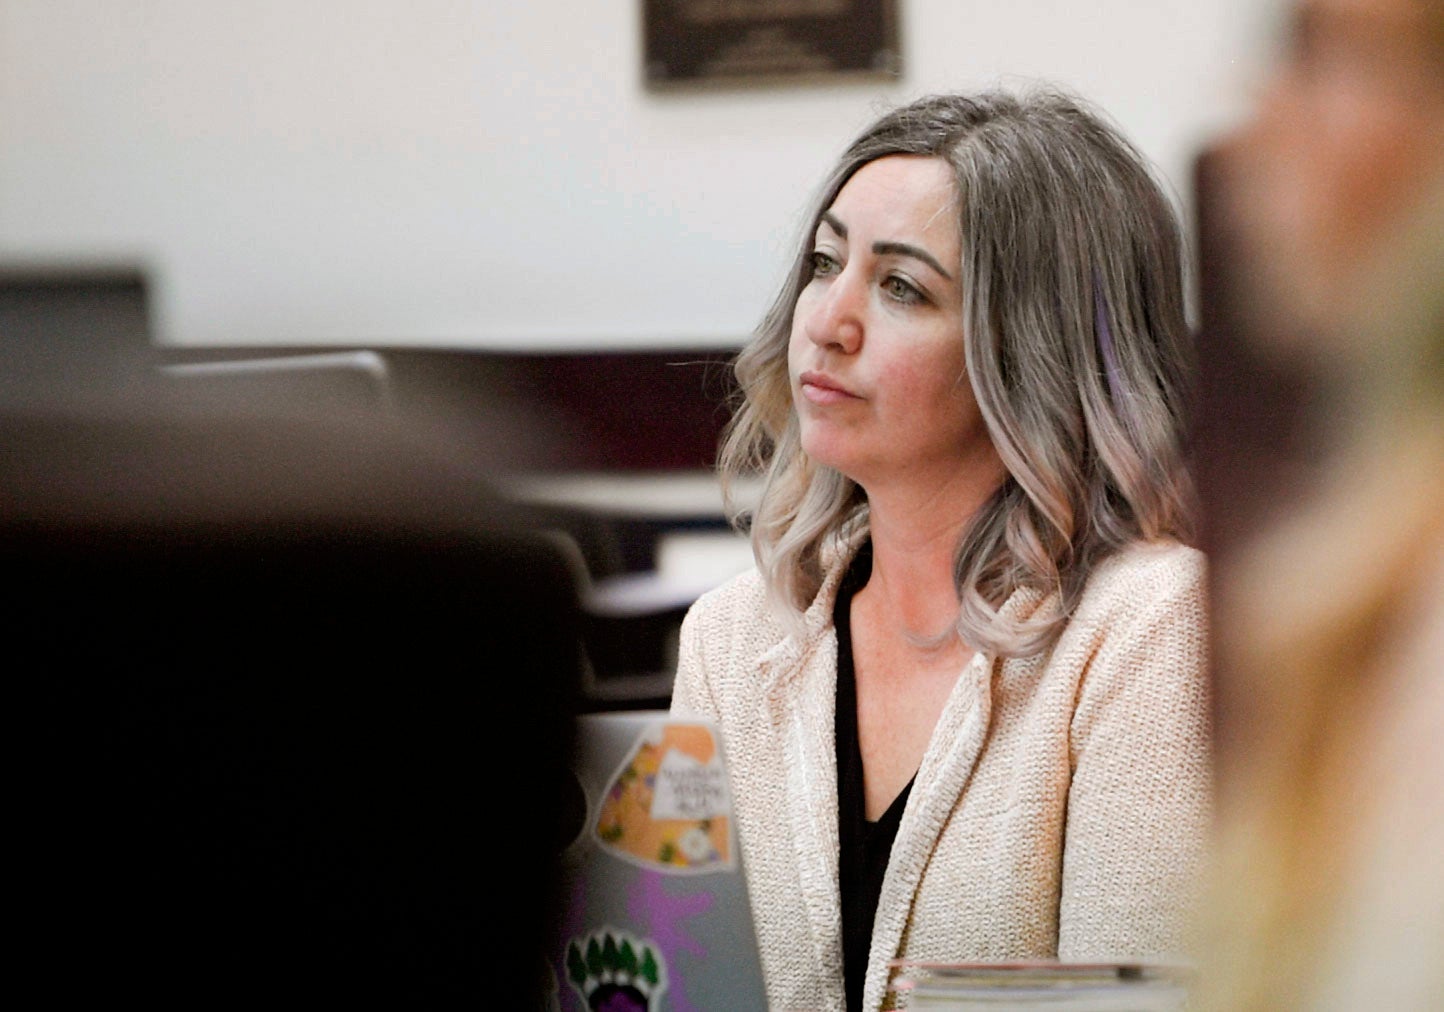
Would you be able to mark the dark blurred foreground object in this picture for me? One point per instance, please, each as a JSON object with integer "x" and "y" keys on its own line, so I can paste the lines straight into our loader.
{"x": 296, "y": 701}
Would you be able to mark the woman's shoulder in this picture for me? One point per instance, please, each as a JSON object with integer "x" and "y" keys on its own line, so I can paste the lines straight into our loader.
{"x": 1154, "y": 568}
{"x": 1141, "y": 628}
{"x": 745, "y": 600}
{"x": 728, "y": 630}
{"x": 1147, "y": 584}
{"x": 739, "y": 600}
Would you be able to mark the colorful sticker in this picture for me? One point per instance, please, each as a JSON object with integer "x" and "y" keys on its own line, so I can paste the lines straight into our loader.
{"x": 615, "y": 971}
{"x": 667, "y": 807}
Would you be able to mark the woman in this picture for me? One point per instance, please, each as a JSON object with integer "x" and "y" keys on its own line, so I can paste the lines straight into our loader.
{"x": 963, "y": 690}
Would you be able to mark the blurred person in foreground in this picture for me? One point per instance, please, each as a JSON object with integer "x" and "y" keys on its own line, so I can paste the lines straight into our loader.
{"x": 258, "y": 659}
{"x": 964, "y": 689}
{"x": 1330, "y": 615}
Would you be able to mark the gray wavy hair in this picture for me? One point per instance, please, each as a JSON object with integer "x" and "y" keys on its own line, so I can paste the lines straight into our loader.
{"x": 1077, "y": 349}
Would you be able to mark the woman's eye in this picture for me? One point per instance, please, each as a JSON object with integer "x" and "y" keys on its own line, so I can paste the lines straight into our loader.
{"x": 823, "y": 264}
{"x": 901, "y": 290}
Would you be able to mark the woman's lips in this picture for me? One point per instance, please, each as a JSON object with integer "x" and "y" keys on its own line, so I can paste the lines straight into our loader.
{"x": 820, "y": 389}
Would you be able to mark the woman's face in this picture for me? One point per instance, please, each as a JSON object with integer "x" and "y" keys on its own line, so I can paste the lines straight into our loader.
{"x": 876, "y": 356}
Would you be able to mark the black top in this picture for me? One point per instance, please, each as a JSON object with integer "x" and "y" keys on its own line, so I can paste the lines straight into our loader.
{"x": 864, "y": 846}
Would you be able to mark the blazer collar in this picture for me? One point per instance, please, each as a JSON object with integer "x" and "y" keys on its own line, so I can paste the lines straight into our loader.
{"x": 779, "y": 666}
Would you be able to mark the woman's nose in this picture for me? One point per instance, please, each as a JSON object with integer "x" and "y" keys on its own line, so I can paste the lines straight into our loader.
{"x": 835, "y": 317}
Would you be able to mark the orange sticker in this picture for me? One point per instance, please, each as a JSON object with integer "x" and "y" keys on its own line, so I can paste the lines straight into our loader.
{"x": 668, "y": 806}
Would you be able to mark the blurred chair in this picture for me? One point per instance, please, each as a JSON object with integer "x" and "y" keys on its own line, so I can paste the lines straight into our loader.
{"x": 280, "y": 381}
{"x": 646, "y": 545}
{"x": 73, "y": 329}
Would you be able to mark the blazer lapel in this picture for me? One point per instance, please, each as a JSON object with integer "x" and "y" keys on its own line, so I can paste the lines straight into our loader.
{"x": 811, "y": 757}
{"x": 947, "y": 766}
{"x": 799, "y": 680}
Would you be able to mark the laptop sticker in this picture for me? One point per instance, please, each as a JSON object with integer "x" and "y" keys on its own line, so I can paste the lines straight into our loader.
{"x": 615, "y": 971}
{"x": 668, "y": 807}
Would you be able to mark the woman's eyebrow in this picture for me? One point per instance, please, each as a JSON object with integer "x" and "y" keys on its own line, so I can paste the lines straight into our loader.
{"x": 908, "y": 250}
{"x": 885, "y": 247}
{"x": 830, "y": 220}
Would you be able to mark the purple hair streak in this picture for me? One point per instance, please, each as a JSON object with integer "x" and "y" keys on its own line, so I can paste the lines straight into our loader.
{"x": 1105, "y": 345}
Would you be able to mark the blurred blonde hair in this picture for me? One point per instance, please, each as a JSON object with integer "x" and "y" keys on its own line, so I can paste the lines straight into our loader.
{"x": 1316, "y": 619}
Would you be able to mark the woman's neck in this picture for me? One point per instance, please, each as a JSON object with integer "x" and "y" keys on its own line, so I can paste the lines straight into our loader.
{"x": 915, "y": 538}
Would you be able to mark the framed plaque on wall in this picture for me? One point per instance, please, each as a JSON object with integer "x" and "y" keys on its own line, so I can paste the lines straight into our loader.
{"x": 739, "y": 41}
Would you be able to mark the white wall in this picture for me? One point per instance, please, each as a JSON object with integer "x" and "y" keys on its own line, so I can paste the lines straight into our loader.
{"x": 489, "y": 173}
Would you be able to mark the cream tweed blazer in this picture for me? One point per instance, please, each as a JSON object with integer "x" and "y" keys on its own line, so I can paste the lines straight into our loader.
{"x": 1061, "y": 809}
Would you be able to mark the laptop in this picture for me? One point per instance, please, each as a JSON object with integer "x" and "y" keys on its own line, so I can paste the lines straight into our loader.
{"x": 655, "y": 913}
